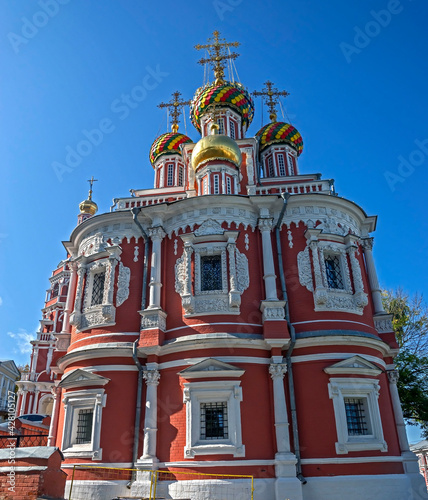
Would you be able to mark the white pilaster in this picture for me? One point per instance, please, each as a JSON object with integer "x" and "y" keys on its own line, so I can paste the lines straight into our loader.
{"x": 35, "y": 400}
{"x": 156, "y": 234}
{"x": 277, "y": 372}
{"x": 53, "y": 428}
{"x": 265, "y": 226}
{"x": 150, "y": 420}
{"x": 372, "y": 274}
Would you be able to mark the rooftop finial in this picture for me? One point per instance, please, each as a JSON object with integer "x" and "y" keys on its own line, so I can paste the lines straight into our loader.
{"x": 91, "y": 183}
{"x": 217, "y": 50}
{"x": 272, "y": 95}
{"x": 174, "y": 106}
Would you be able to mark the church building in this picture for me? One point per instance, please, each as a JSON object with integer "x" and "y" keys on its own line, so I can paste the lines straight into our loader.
{"x": 227, "y": 321}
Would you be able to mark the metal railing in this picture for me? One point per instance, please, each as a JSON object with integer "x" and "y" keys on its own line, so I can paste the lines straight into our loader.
{"x": 23, "y": 441}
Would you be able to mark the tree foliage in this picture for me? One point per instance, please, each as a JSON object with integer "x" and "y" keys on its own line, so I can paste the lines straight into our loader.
{"x": 410, "y": 322}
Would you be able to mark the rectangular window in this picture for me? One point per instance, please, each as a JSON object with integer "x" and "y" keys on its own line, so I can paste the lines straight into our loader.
{"x": 211, "y": 275}
{"x": 214, "y": 422}
{"x": 84, "y": 426}
{"x": 290, "y": 161}
{"x": 216, "y": 184}
{"x": 228, "y": 185}
{"x": 220, "y": 124}
{"x": 180, "y": 176}
{"x": 281, "y": 164}
{"x": 271, "y": 171}
{"x": 98, "y": 289}
{"x": 170, "y": 178}
{"x": 356, "y": 417}
{"x": 333, "y": 272}
{"x": 232, "y": 129}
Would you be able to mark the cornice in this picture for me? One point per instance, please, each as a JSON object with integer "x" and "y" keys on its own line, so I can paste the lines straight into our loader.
{"x": 341, "y": 340}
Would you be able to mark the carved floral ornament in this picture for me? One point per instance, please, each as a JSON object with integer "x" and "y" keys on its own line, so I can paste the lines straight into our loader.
{"x": 85, "y": 314}
{"x": 234, "y": 278}
{"x": 313, "y": 275}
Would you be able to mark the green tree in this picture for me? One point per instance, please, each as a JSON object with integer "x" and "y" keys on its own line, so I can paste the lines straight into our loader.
{"x": 410, "y": 322}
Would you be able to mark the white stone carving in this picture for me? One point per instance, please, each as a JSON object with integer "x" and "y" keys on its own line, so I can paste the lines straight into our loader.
{"x": 383, "y": 323}
{"x": 305, "y": 269}
{"x": 136, "y": 252}
{"x": 290, "y": 239}
{"x": 153, "y": 318}
{"x": 210, "y": 226}
{"x": 123, "y": 284}
{"x": 247, "y": 242}
{"x": 93, "y": 244}
{"x": 175, "y": 246}
{"x": 151, "y": 377}
{"x": 242, "y": 272}
{"x": 180, "y": 274}
{"x": 277, "y": 370}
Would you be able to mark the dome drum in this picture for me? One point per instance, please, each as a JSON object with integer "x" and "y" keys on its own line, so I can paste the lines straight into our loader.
{"x": 213, "y": 178}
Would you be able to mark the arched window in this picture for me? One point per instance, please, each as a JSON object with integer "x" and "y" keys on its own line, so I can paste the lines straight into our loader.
{"x": 55, "y": 290}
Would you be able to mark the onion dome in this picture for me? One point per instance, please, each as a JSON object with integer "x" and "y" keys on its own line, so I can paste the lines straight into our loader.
{"x": 222, "y": 94}
{"x": 280, "y": 133}
{"x": 167, "y": 144}
{"x": 216, "y": 147}
{"x": 88, "y": 207}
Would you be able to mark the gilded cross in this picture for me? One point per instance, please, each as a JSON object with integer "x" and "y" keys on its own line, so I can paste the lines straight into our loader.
{"x": 217, "y": 50}
{"x": 174, "y": 107}
{"x": 91, "y": 183}
{"x": 272, "y": 95}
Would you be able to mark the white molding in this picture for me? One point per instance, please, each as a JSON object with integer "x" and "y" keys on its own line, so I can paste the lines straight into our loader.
{"x": 211, "y": 324}
{"x": 212, "y": 391}
{"x": 211, "y": 368}
{"x": 90, "y": 337}
{"x": 354, "y": 365}
{"x": 112, "y": 368}
{"x": 367, "y": 390}
{"x": 342, "y": 355}
{"x": 350, "y": 460}
{"x": 226, "y": 359}
{"x": 331, "y": 321}
{"x": 217, "y": 463}
{"x": 347, "y": 340}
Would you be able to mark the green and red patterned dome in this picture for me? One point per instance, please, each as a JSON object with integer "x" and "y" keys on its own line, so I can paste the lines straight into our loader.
{"x": 168, "y": 143}
{"x": 229, "y": 94}
{"x": 280, "y": 133}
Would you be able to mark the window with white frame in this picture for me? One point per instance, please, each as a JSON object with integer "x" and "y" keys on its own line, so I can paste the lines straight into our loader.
{"x": 290, "y": 161}
{"x": 281, "y": 164}
{"x": 180, "y": 176}
{"x": 271, "y": 170}
{"x": 211, "y": 273}
{"x": 232, "y": 129}
{"x": 357, "y": 415}
{"x": 216, "y": 184}
{"x": 170, "y": 176}
{"x": 220, "y": 123}
{"x": 333, "y": 271}
{"x": 82, "y": 423}
{"x": 213, "y": 418}
{"x": 228, "y": 185}
{"x": 98, "y": 283}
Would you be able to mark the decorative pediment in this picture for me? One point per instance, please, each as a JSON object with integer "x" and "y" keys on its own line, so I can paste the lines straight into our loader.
{"x": 210, "y": 226}
{"x": 211, "y": 368}
{"x": 82, "y": 378}
{"x": 355, "y": 365}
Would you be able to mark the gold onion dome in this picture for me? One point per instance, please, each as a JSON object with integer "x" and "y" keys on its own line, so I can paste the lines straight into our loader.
{"x": 216, "y": 147}
{"x": 88, "y": 207}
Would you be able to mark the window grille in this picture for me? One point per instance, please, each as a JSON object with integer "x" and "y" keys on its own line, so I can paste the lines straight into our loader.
{"x": 232, "y": 129}
{"x": 84, "y": 426}
{"x": 170, "y": 178}
{"x": 356, "y": 419}
{"x": 180, "y": 176}
{"x": 211, "y": 275}
{"x": 270, "y": 167}
{"x": 333, "y": 272}
{"x": 281, "y": 164}
{"x": 98, "y": 289}
{"x": 228, "y": 185}
{"x": 55, "y": 290}
{"x": 290, "y": 161}
{"x": 214, "y": 422}
{"x": 216, "y": 185}
{"x": 220, "y": 124}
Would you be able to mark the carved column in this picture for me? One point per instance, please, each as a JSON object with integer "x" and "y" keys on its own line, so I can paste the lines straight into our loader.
{"x": 23, "y": 400}
{"x": 34, "y": 361}
{"x": 223, "y": 181}
{"x": 265, "y": 226}
{"x": 371, "y": 271}
{"x": 156, "y": 234}
{"x": 277, "y": 372}
{"x": 320, "y": 294}
{"x": 56, "y": 392}
{"x": 35, "y": 401}
{"x": 234, "y": 295}
{"x": 150, "y": 420}
{"x": 360, "y": 296}
{"x": 75, "y": 318}
{"x": 398, "y": 412}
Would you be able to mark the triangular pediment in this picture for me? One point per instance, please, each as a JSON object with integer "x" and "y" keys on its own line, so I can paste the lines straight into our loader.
{"x": 211, "y": 368}
{"x": 210, "y": 226}
{"x": 82, "y": 378}
{"x": 10, "y": 366}
{"x": 354, "y": 365}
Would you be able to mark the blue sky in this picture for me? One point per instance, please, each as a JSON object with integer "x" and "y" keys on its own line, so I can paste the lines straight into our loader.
{"x": 356, "y": 72}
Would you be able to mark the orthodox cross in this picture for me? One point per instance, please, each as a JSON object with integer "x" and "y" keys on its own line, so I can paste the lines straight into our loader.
{"x": 217, "y": 50}
{"x": 174, "y": 107}
{"x": 91, "y": 183}
{"x": 272, "y": 95}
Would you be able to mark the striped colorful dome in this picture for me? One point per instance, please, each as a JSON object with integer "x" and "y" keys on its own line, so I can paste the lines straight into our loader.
{"x": 168, "y": 143}
{"x": 231, "y": 94}
{"x": 280, "y": 132}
